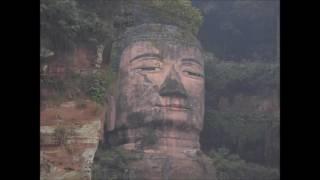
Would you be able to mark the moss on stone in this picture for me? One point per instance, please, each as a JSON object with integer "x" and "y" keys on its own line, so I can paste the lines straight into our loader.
{"x": 136, "y": 120}
{"x": 149, "y": 137}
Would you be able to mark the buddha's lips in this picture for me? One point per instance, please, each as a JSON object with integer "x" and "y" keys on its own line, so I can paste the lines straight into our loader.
{"x": 174, "y": 106}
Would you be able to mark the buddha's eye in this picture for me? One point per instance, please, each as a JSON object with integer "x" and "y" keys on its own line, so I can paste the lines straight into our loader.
{"x": 191, "y": 68}
{"x": 149, "y": 69}
{"x": 193, "y": 74}
{"x": 147, "y": 66}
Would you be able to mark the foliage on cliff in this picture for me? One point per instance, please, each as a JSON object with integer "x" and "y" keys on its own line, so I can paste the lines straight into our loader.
{"x": 179, "y": 12}
{"x": 231, "y": 167}
{"x": 64, "y": 23}
{"x": 112, "y": 164}
{"x": 74, "y": 86}
{"x": 246, "y": 78}
{"x": 242, "y": 110}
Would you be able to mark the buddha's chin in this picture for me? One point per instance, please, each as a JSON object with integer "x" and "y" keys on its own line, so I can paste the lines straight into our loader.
{"x": 167, "y": 117}
{"x": 175, "y": 116}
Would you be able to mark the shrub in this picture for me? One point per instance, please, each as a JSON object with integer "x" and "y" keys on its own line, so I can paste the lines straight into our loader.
{"x": 96, "y": 85}
{"x": 54, "y": 83}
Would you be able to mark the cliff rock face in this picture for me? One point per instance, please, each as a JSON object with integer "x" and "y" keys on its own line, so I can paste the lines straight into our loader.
{"x": 69, "y": 137}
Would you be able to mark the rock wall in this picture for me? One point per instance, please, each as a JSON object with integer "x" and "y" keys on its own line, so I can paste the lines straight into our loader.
{"x": 70, "y": 134}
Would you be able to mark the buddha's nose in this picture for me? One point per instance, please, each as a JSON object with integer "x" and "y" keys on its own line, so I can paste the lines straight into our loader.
{"x": 172, "y": 85}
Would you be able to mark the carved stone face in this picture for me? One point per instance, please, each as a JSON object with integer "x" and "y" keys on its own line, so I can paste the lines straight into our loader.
{"x": 163, "y": 83}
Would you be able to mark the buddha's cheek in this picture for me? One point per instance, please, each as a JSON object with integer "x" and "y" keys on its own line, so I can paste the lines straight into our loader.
{"x": 137, "y": 96}
{"x": 196, "y": 100}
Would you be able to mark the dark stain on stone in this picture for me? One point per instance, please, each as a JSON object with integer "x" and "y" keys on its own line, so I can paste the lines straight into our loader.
{"x": 136, "y": 119}
{"x": 145, "y": 78}
{"x": 166, "y": 168}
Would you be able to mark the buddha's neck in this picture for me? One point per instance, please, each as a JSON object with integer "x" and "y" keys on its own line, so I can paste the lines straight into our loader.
{"x": 166, "y": 140}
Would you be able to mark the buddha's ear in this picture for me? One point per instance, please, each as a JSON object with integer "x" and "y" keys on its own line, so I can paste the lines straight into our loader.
{"x": 111, "y": 115}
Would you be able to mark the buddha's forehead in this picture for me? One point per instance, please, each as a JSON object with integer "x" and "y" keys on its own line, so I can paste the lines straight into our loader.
{"x": 164, "y": 49}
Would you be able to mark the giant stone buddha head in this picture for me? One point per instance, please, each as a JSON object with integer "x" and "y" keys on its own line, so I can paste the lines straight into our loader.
{"x": 160, "y": 85}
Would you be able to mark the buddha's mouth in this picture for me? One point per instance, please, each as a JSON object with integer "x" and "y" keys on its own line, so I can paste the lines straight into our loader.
{"x": 177, "y": 107}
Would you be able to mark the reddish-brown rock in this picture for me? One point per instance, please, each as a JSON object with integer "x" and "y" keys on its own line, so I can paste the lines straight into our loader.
{"x": 69, "y": 139}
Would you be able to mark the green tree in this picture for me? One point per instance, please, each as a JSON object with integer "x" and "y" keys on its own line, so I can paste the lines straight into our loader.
{"x": 65, "y": 23}
{"x": 235, "y": 114}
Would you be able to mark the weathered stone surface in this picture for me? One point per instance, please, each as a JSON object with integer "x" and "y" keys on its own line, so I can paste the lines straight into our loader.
{"x": 81, "y": 129}
{"x": 69, "y": 104}
{"x": 161, "y": 166}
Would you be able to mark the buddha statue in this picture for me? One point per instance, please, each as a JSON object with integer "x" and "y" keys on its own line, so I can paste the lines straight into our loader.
{"x": 159, "y": 104}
